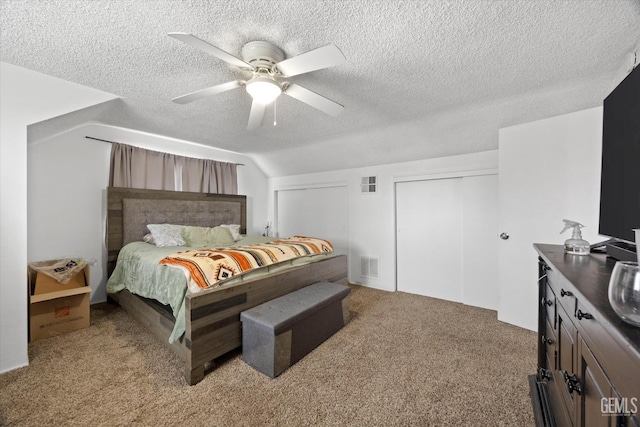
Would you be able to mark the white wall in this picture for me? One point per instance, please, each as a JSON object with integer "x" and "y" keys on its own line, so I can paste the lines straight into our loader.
{"x": 68, "y": 175}
{"x": 27, "y": 97}
{"x": 372, "y": 216}
{"x": 318, "y": 212}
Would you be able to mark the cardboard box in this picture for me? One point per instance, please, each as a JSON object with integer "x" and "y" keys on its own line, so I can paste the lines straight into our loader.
{"x": 45, "y": 284}
{"x": 64, "y": 308}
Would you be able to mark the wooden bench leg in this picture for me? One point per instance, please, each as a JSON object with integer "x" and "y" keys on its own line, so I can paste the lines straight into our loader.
{"x": 194, "y": 375}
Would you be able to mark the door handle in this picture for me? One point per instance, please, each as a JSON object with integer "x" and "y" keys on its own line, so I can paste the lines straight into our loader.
{"x": 504, "y": 236}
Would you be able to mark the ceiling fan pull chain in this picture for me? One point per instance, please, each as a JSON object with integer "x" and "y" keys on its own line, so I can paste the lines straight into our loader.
{"x": 275, "y": 104}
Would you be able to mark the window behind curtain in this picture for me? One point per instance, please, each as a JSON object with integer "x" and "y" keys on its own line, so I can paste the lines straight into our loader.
{"x": 136, "y": 167}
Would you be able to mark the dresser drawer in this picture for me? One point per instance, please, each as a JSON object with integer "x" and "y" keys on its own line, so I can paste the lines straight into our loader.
{"x": 588, "y": 324}
{"x": 563, "y": 291}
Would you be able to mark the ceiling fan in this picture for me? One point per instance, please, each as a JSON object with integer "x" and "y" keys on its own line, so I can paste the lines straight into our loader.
{"x": 270, "y": 73}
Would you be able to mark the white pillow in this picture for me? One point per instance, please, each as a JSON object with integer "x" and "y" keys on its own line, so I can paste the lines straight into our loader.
{"x": 235, "y": 230}
{"x": 167, "y": 234}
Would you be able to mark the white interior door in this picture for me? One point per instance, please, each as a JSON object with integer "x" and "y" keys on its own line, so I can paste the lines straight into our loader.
{"x": 316, "y": 212}
{"x": 429, "y": 238}
{"x": 549, "y": 171}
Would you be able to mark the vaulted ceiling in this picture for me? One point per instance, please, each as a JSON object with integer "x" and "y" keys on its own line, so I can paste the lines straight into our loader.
{"x": 422, "y": 79}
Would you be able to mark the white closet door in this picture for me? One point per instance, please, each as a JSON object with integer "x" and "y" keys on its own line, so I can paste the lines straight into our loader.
{"x": 446, "y": 239}
{"x": 480, "y": 242}
{"x": 315, "y": 212}
{"x": 429, "y": 238}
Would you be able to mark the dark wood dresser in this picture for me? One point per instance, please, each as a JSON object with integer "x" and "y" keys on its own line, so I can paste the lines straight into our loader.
{"x": 588, "y": 358}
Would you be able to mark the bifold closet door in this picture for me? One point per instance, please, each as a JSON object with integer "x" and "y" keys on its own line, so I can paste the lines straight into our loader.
{"x": 316, "y": 212}
{"x": 429, "y": 238}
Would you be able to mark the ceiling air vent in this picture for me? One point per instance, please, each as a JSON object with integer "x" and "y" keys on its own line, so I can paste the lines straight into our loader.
{"x": 369, "y": 267}
{"x": 368, "y": 184}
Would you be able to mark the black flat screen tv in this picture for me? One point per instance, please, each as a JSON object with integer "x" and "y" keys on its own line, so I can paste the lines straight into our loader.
{"x": 620, "y": 179}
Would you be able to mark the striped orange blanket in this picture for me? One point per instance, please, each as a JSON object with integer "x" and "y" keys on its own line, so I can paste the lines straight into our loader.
{"x": 207, "y": 267}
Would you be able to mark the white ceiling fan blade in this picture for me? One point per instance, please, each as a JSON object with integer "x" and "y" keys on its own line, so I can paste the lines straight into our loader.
{"x": 192, "y": 40}
{"x": 203, "y": 93}
{"x": 317, "y": 101}
{"x": 317, "y": 59}
{"x": 256, "y": 115}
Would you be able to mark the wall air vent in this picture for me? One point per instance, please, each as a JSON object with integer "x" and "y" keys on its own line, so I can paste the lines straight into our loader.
{"x": 368, "y": 184}
{"x": 369, "y": 267}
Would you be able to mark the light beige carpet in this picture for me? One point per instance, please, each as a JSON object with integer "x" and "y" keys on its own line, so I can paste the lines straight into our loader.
{"x": 403, "y": 360}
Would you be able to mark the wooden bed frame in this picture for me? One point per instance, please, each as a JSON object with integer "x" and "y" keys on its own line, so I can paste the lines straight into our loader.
{"x": 213, "y": 325}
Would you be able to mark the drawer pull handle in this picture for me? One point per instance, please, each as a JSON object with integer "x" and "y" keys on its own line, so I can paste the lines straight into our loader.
{"x": 546, "y": 340}
{"x": 573, "y": 383}
{"x": 545, "y": 374}
{"x": 546, "y": 302}
{"x": 582, "y": 315}
{"x": 564, "y": 293}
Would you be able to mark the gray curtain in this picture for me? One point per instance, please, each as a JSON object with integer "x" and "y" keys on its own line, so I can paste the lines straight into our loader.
{"x": 136, "y": 167}
{"x": 209, "y": 176}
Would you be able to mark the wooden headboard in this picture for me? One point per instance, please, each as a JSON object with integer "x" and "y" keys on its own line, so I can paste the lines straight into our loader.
{"x": 129, "y": 210}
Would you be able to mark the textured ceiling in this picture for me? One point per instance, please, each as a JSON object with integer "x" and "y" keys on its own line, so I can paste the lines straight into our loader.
{"x": 422, "y": 79}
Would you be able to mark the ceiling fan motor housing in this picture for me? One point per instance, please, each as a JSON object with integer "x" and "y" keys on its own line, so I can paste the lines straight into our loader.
{"x": 262, "y": 54}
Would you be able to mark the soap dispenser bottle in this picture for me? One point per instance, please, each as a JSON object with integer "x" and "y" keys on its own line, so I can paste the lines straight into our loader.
{"x": 576, "y": 245}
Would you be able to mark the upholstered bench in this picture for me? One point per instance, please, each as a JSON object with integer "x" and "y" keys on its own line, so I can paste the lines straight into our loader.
{"x": 280, "y": 332}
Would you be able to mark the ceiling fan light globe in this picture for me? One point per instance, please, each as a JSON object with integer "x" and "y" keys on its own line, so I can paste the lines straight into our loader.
{"x": 263, "y": 90}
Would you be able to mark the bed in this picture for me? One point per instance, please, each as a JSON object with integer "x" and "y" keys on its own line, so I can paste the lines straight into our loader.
{"x": 211, "y": 317}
